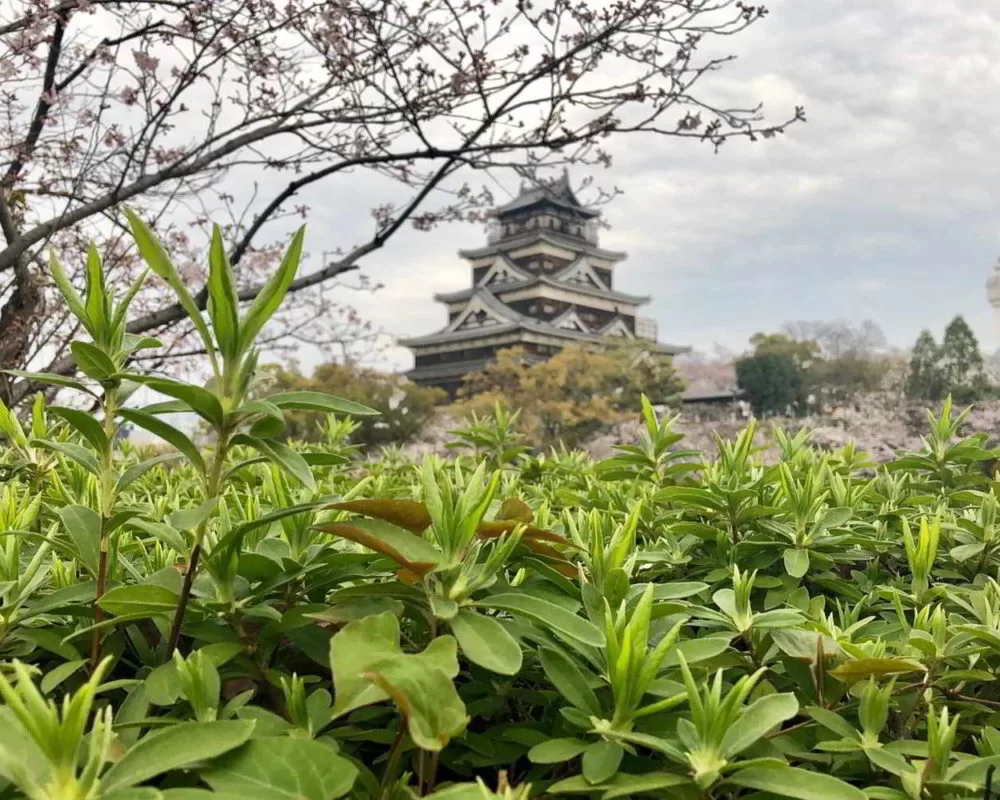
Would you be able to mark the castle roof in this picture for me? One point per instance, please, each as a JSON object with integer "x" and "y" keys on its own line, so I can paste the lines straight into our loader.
{"x": 503, "y": 319}
{"x": 548, "y": 235}
{"x": 558, "y": 193}
{"x": 507, "y": 287}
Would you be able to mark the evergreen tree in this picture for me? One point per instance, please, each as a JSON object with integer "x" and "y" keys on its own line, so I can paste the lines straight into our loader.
{"x": 774, "y": 383}
{"x": 925, "y": 380}
{"x": 961, "y": 363}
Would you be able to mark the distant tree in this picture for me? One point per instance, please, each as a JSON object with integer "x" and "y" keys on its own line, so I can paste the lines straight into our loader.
{"x": 925, "y": 380}
{"x": 773, "y": 382}
{"x": 847, "y": 359}
{"x": 839, "y": 338}
{"x": 802, "y": 351}
{"x": 405, "y": 408}
{"x": 961, "y": 363}
{"x": 838, "y": 380}
{"x": 571, "y": 396}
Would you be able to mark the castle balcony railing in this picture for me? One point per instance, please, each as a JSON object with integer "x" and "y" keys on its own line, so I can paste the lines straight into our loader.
{"x": 497, "y": 230}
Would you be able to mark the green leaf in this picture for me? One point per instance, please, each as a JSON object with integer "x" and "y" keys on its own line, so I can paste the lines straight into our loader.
{"x": 95, "y": 297}
{"x": 631, "y": 785}
{"x": 156, "y": 259}
{"x": 93, "y": 361}
{"x": 411, "y": 551}
{"x": 85, "y": 424}
{"x": 57, "y": 675}
{"x": 556, "y": 751}
{"x": 890, "y": 761}
{"x": 136, "y": 793}
{"x": 804, "y": 645}
{"x": 136, "y": 471}
{"x": 281, "y": 455}
{"x": 319, "y": 401}
{"x": 696, "y": 650}
{"x": 69, "y": 293}
{"x": 187, "y": 519}
{"x": 81, "y": 455}
{"x": 272, "y": 294}
{"x": 862, "y": 668}
{"x": 175, "y": 747}
{"x": 677, "y": 590}
{"x": 833, "y": 518}
{"x": 168, "y": 433}
{"x": 974, "y": 770}
{"x": 443, "y": 607}
{"x": 486, "y": 642}
{"x": 833, "y": 722}
{"x": 425, "y": 695}
{"x": 167, "y": 534}
{"x": 549, "y": 614}
{"x": 756, "y": 720}
{"x": 801, "y": 784}
{"x": 796, "y": 561}
{"x": 223, "y": 304}
{"x": 50, "y": 378}
{"x": 77, "y": 594}
{"x": 569, "y": 681}
{"x": 163, "y": 685}
{"x": 131, "y": 343}
{"x": 601, "y": 761}
{"x": 146, "y": 599}
{"x": 282, "y": 768}
{"x": 201, "y": 401}
{"x": 84, "y": 528}
{"x": 360, "y": 645}
{"x": 966, "y": 551}
{"x": 622, "y": 785}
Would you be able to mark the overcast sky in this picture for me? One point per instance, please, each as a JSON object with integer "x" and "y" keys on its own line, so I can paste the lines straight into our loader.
{"x": 883, "y": 205}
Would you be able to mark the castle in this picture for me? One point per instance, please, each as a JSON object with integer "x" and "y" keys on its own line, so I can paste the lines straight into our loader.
{"x": 542, "y": 283}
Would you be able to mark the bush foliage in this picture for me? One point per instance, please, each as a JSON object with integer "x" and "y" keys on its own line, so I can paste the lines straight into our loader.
{"x": 262, "y": 619}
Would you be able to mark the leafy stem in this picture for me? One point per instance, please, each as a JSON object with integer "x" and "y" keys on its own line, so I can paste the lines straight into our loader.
{"x": 212, "y": 491}
{"x": 392, "y": 765}
{"x": 108, "y": 497}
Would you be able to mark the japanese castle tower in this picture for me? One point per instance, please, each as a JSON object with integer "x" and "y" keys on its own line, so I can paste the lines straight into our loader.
{"x": 542, "y": 282}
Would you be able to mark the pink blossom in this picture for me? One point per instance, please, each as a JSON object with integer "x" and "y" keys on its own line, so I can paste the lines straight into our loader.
{"x": 145, "y": 62}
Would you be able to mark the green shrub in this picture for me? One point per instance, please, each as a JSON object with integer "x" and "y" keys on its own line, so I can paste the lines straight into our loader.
{"x": 260, "y": 619}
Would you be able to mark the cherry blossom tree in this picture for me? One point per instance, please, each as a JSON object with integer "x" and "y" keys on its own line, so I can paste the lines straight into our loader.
{"x": 190, "y": 110}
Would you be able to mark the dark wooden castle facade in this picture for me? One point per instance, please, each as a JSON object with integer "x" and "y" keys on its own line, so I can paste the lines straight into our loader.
{"x": 542, "y": 282}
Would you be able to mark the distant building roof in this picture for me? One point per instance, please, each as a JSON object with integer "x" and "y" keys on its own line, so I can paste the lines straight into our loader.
{"x": 711, "y": 396}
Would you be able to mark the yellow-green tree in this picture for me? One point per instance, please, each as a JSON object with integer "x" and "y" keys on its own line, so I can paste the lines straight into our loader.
{"x": 572, "y": 395}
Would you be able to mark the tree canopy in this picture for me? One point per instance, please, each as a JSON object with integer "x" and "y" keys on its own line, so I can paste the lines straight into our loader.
{"x": 773, "y": 383}
{"x": 955, "y": 368}
{"x": 572, "y": 395}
